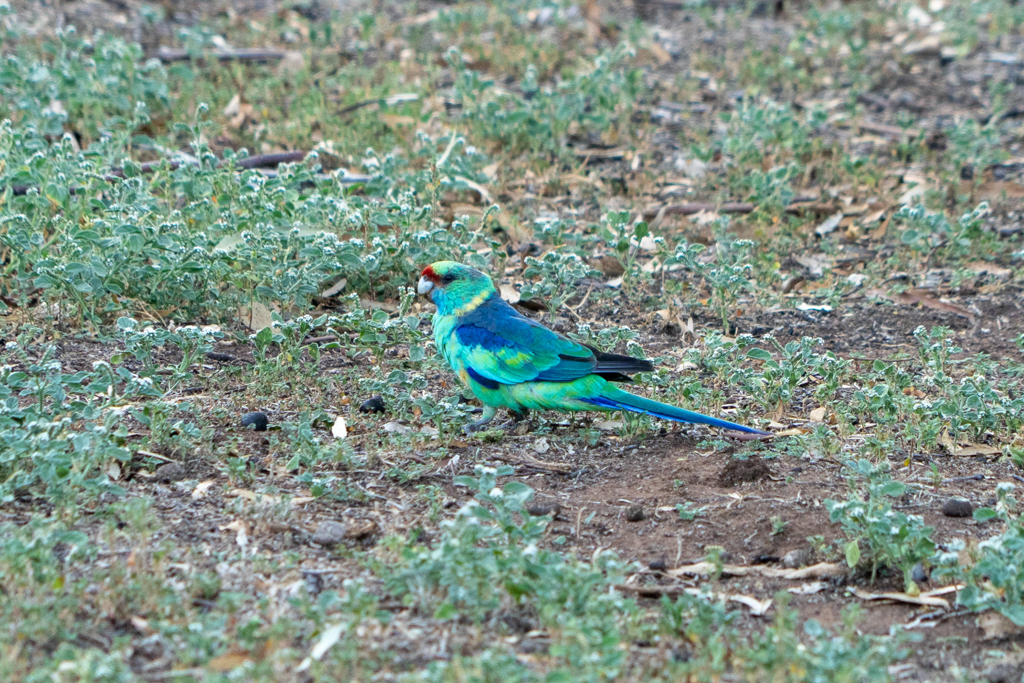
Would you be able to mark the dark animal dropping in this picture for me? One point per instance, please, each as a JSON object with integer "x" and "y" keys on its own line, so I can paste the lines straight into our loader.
{"x": 258, "y": 421}
{"x": 372, "y": 405}
{"x": 955, "y": 507}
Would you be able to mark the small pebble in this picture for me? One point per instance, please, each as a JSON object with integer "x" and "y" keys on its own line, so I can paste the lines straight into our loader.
{"x": 329, "y": 533}
{"x": 918, "y": 573}
{"x": 957, "y": 507}
{"x": 373, "y": 405}
{"x": 541, "y": 509}
{"x": 658, "y": 565}
{"x": 258, "y": 420}
{"x": 635, "y": 514}
{"x": 172, "y": 471}
{"x": 795, "y": 559}
{"x": 314, "y": 583}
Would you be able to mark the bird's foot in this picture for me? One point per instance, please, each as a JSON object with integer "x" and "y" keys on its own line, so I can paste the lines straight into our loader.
{"x": 473, "y": 427}
{"x": 482, "y": 423}
{"x": 518, "y": 422}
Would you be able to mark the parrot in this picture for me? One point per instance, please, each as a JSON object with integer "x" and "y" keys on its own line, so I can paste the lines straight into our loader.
{"x": 508, "y": 360}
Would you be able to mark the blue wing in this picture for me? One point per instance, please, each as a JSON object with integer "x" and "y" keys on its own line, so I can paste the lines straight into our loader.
{"x": 504, "y": 346}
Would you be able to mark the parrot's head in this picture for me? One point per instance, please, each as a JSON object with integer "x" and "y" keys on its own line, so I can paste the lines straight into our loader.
{"x": 454, "y": 288}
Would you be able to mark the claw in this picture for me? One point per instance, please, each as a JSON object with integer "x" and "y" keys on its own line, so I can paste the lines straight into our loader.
{"x": 489, "y": 413}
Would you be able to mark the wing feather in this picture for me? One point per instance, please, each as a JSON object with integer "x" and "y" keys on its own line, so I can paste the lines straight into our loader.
{"x": 504, "y": 346}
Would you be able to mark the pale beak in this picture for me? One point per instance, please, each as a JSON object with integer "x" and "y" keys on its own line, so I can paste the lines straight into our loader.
{"x": 424, "y": 286}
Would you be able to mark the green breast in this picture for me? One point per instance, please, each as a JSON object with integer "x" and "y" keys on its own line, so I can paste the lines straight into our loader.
{"x": 444, "y": 338}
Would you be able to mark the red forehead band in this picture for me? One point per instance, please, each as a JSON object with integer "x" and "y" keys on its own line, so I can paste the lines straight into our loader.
{"x": 429, "y": 273}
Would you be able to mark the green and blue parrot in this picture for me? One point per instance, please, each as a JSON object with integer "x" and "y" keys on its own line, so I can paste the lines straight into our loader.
{"x": 508, "y": 360}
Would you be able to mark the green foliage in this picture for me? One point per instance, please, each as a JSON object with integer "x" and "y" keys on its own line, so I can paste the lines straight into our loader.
{"x": 607, "y": 339}
{"x": 489, "y": 561}
{"x": 781, "y": 652}
{"x": 626, "y": 238}
{"x": 92, "y": 87}
{"x": 557, "y": 275}
{"x": 543, "y": 117}
{"x": 994, "y": 574}
{"x": 891, "y": 537}
{"x": 727, "y": 275}
{"x": 926, "y": 231}
{"x": 775, "y": 385}
{"x": 61, "y": 429}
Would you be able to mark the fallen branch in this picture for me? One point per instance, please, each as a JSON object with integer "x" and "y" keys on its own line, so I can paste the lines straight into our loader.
{"x": 817, "y": 571}
{"x": 929, "y": 599}
{"x": 391, "y": 101}
{"x": 259, "y": 161}
{"x": 226, "y": 358}
{"x": 799, "y": 204}
{"x": 240, "y": 54}
{"x": 539, "y": 465}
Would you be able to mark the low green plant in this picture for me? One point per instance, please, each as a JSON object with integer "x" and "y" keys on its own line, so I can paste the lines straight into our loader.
{"x": 687, "y": 512}
{"x": 555, "y": 279}
{"x": 607, "y": 339}
{"x": 489, "y": 561}
{"x": 993, "y": 575}
{"x": 39, "y": 404}
{"x": 775, "y": 384}
{"x": 626, "y": 239}
{"x": 727, "y": 275}
{"x": 890, "y": 538}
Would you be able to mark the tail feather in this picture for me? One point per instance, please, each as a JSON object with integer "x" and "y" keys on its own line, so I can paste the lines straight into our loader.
{"x": 616, "y": 399}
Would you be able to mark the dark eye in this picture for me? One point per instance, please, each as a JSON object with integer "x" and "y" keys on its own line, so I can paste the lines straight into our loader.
{"x": 448, "y": 278}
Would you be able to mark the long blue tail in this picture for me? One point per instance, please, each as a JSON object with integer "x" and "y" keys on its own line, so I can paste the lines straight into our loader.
{"x": 616, "y": 399}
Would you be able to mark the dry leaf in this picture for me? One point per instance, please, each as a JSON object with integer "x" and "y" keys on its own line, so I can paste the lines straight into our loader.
{"x": 758, "y": 608}
{"x": 976, "y": 449}
{"x": 266, "y": 498}
{"x": 923, "y": 599}
{"x": 141, "y": 625}
{"x": 814, "y": 263}
{"x": 829, "y": 224}
{"x": 256, "y": 317}
{"x": 485, "y": 196}
{"x": 201, "y": 488}
{"x": 917, "y": 297}
{"x": 509, "y": 293}
{"x": 990, "y": 269}
{"x": 817, "y": 415}
{"x": 995, "y": 626}
{"x": 395, "y": 120}
{"x": 807, "y": 588}
{"x": 421, "y": 19}
{"x": 334, "y": 289}
{"x": 817, "y": 571}
{"x": 291, "y": 64}
{"x": 233, "y": 106}
{"x": 241, "y": 532}
{"x": 327, "y": 640}
{"x": 340, "y": 429}
{"x": 912, "y": 196}
{"x": 609, "y": 426}
{"x": 228, "y": 661}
